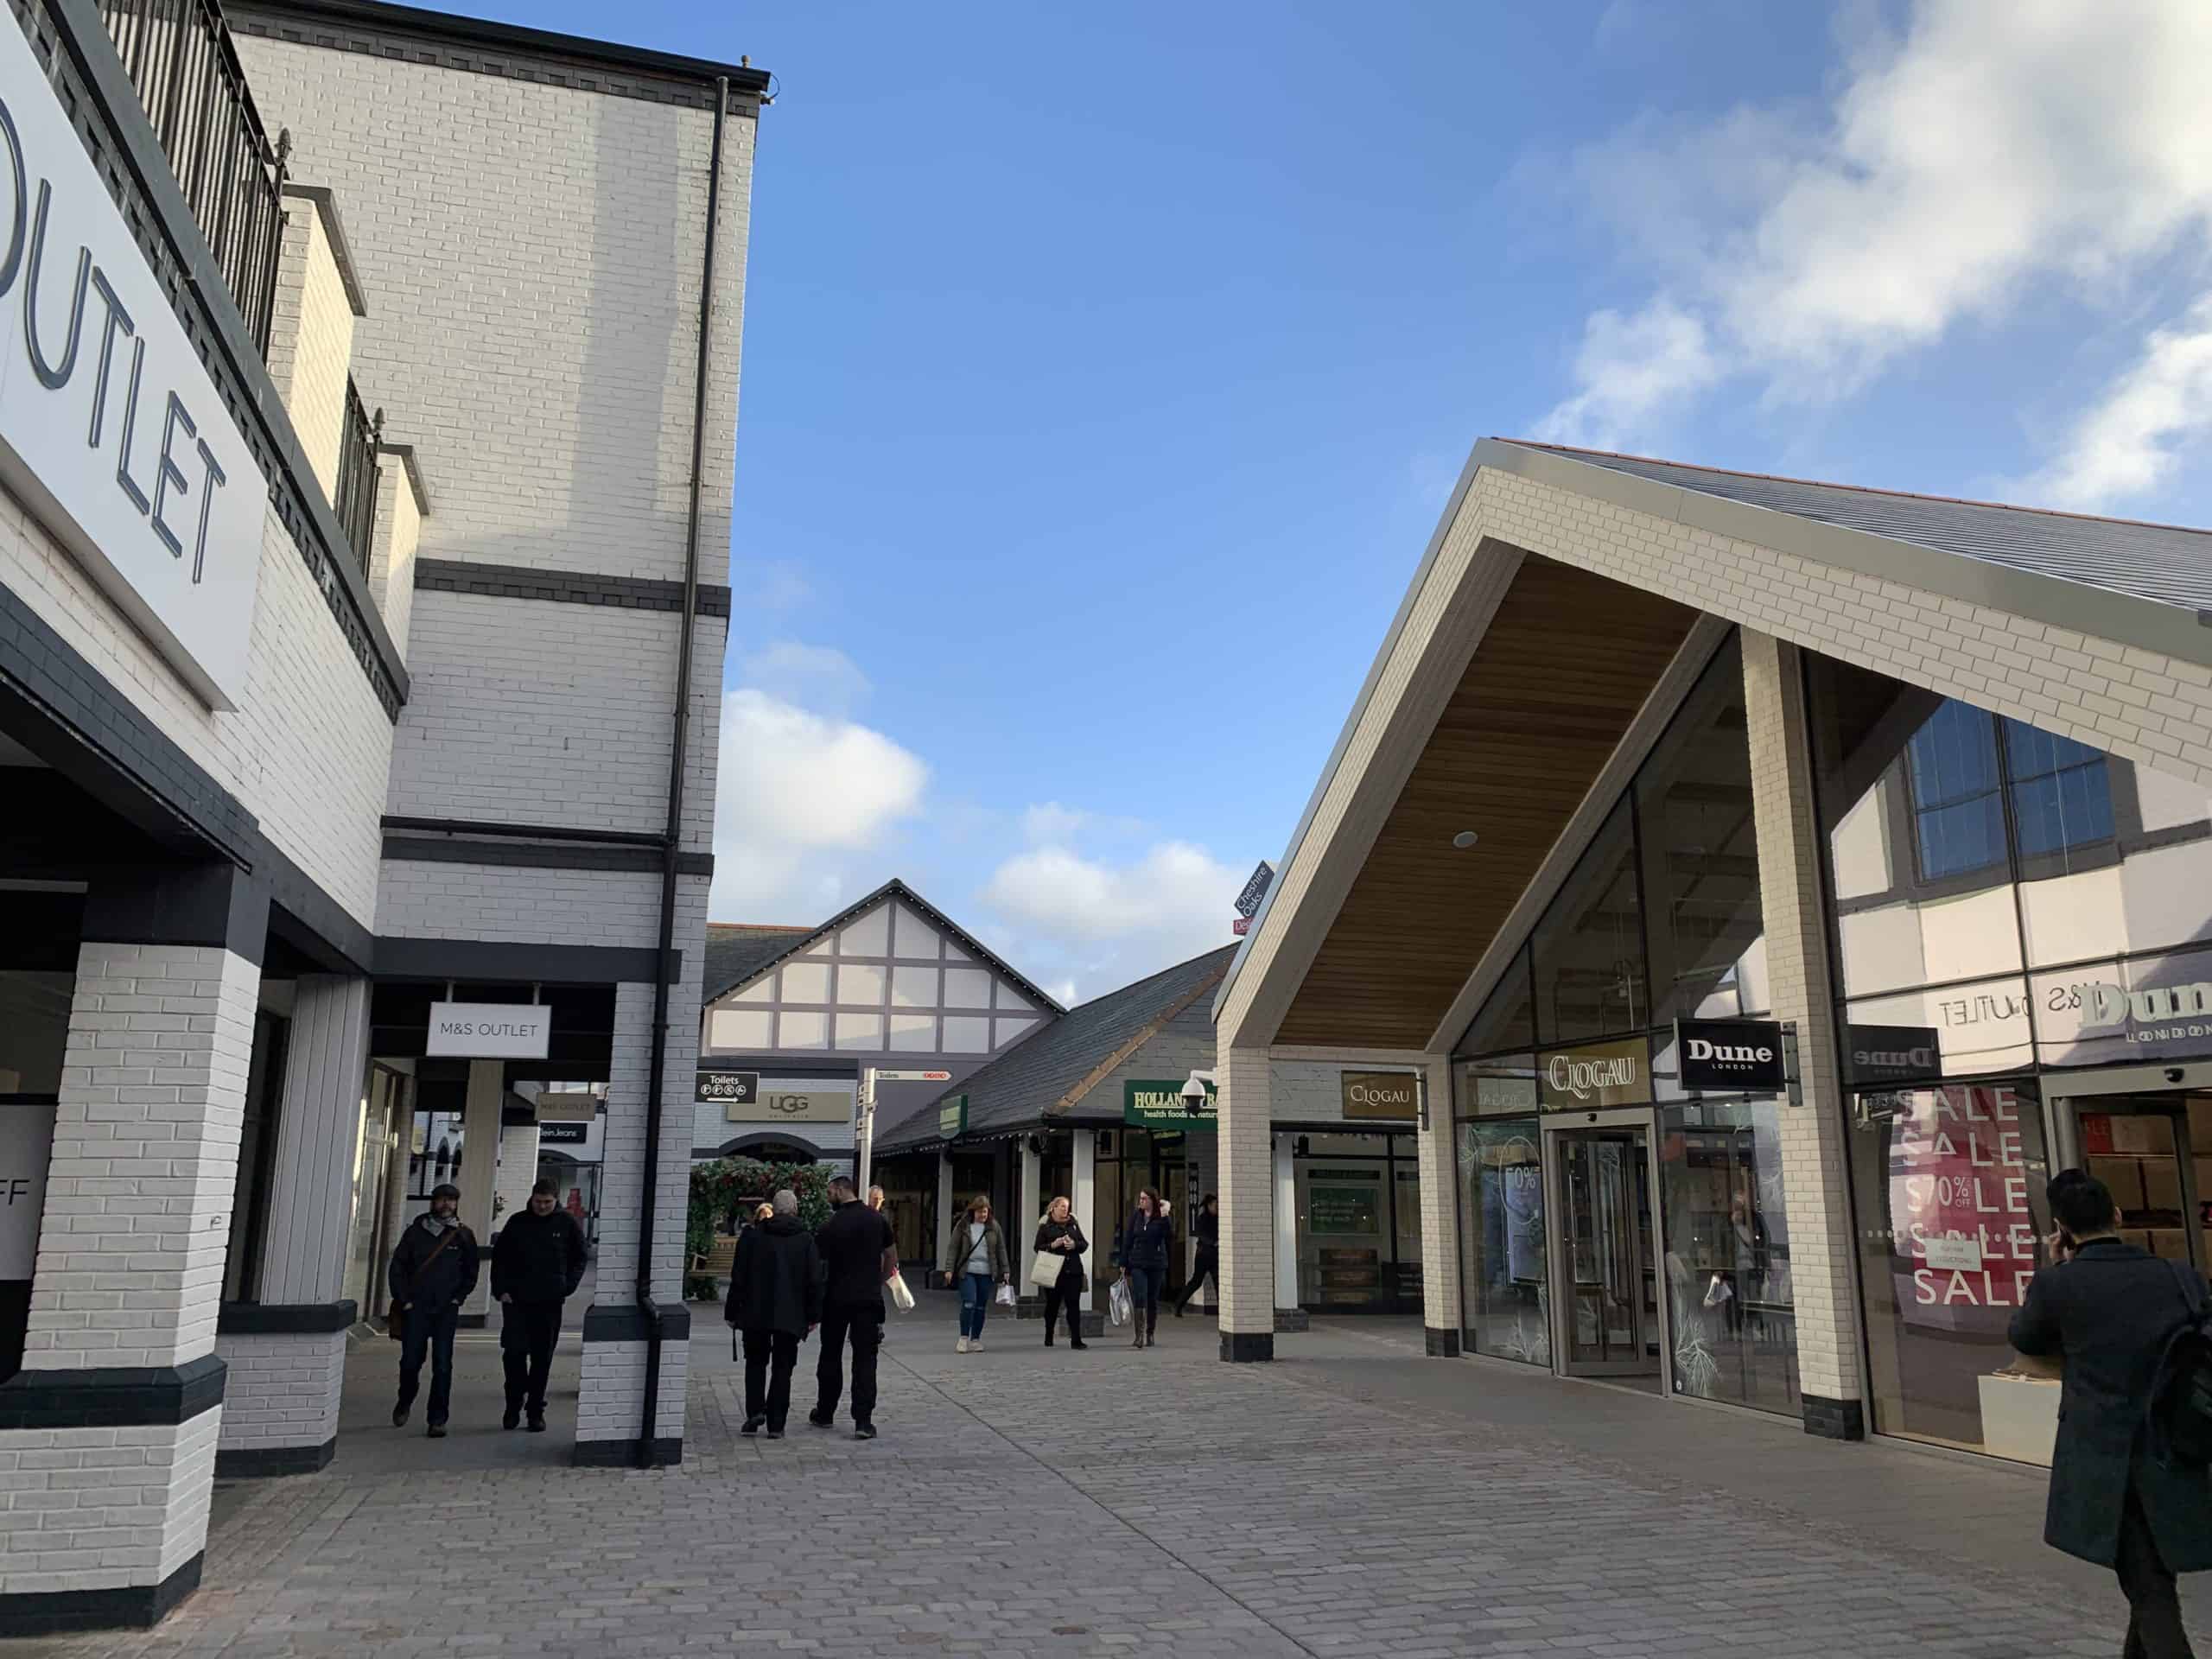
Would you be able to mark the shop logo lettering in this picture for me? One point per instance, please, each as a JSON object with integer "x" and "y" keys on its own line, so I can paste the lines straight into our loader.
{"x": 1581, "y": 1079}
{"x": 2110, "y": 1005}
{"x": 1731, "y": 1053}
{"x": 1367, "y": 1095}
{"x": 1896, "y": 1059}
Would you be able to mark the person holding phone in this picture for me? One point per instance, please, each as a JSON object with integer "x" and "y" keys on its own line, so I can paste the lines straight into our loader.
{"x": 1147, "y": 1237}
{"x": 1060, "y": 1234}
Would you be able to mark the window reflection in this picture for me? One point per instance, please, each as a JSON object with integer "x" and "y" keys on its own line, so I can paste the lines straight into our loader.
{"x": 1731, "y": 1302}
{"x": 1589, "y": 948}
{"x": 1504, "y": 1280}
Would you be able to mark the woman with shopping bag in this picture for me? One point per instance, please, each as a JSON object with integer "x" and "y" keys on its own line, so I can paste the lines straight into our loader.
{"x": 1145, "y": 1243}
{"x": 1058, "y": 1270}
{"x": 979, "y": 1261}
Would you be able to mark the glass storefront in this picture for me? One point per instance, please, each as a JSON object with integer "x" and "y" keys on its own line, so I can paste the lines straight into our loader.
{"x": 1358, "y": 1222}
{"x": 2007, "y": 905}
{"x": 1660, "y": 919}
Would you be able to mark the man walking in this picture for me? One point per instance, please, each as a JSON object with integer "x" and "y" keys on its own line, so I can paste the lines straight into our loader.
{"x": 433, "y": 1270}
{"x": 1205, "y": 1227}
{"x": 852, "y": 1243}
{"x": 775, "y": 1302}
{"x": 537, "y": 1260}
{"x": 2109, "y": 1308}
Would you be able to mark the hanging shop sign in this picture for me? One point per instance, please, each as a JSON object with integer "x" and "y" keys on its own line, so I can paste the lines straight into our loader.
{"x": 490, "y": 1030}
{"x": 26, "y": 1148}
{"x": 563, "y": 1135}
{"x": 573, "y": 1106}
{"x": 1157, "y": 1103}
{"x": 730, "y": 1088}
{"x": 110, "y": 430}
{"x": 770, "y": 1104}
{"x": 1879, "y": 1054}
{"x": 952, "y": 1118}
{"x": 1730, "y": 1054}
{"x": 1255, "y": 889}
{"x": 1395, "y": 1095}
{"x": 1596, "y": 1074}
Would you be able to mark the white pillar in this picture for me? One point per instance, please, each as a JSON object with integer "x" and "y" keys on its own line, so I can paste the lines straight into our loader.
{"x": 1821, "y": 1231}
{"x": 286, "y": 1351}
{"x": 1033, "y": 1204}
{"x": 945, "y": 1210}
{"x": 1083, "y": 1202}
{"x": 1247, "y": 1322}
{"x": 1286, "y": 1224}
{"x": 1435, "y": 1145}
{"x": 480, "y": 1163}
{"x": 517, "y": 1170}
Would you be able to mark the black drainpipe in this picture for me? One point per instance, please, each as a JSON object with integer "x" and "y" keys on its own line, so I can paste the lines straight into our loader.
{"x": 657, "y": 1073}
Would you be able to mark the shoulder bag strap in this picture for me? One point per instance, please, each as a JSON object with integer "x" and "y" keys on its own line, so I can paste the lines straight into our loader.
{"x": 438, "y": 1249}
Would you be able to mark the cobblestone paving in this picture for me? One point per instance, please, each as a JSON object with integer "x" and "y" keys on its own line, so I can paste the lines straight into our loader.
{"x": 1023, "y": 1502}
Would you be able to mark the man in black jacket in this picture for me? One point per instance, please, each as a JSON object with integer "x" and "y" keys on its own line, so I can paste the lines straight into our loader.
{"x": 433, "y": 1270}
{"x": 852, "y": 1243}
{"x": 775, "y": 1300}
{"x": 537, "y": 1261}
{"x": 1205, "y": 1227}
{"x": 2109, "y": 1308}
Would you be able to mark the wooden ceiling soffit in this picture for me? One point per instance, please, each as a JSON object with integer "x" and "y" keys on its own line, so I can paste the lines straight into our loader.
{"x": 1558, "y": 677}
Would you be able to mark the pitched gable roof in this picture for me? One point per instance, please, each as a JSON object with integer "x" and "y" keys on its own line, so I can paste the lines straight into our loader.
{"x": 1049, "y": 1073}
{"x": 736, "y": 954}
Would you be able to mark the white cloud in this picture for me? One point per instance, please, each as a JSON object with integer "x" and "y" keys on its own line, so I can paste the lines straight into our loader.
{"x": 2129, "y": 442}
{"x": 800, "y": 797}
{"x": 1978, "y": 152}
{"x": 1052, "y": 823}
{"x": 1114, "y": 923}
{"x": 815, "y": 676}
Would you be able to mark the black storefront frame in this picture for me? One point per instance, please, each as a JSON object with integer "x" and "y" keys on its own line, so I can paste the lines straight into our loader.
{"x": 1399, "y": 1301}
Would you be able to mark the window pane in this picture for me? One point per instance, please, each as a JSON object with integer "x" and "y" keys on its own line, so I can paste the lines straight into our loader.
{"x": 1588, "y": 953}
{"x": 805, "y": 982}
{"x": 2063, "y": 810}
{"x": 1507, "y": 1017}
{"x": 1971, "y": 1029}
{"x": 1733, "y": 1315}
{"x": 2116, "y": 859}
{"x": 1503, "y": 1277}
{"x": 1914, "y": 825}
{"x": 860, "y": 985}
{"x": 1701, "y": 856}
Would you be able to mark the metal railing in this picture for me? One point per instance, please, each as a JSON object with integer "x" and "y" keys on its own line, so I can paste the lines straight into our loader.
{"x": 359, "y": 442}
{"x": 180, "y": 55}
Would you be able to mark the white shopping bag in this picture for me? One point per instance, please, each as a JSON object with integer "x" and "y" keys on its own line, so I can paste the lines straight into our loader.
{"x": 1117, "y": 1302}
{"x": 1006, "y": 1296}
{"x": 901, "y": 1298}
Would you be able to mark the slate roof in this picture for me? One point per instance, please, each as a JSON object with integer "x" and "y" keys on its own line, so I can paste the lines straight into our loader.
{"x": 1034, "y": 1078}
{"x": 737, "y": 952}
{"x": 2168, "y": 563}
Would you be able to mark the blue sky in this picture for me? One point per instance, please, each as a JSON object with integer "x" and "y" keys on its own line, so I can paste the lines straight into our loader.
{"x": 1106, "y": 369}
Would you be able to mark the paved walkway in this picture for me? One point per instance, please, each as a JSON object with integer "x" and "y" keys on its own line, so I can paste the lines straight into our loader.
{"x": 1352, "y": 1499}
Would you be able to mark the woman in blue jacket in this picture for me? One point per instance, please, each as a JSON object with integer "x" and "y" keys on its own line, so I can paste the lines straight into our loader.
{"x": 1146, "y": 1241}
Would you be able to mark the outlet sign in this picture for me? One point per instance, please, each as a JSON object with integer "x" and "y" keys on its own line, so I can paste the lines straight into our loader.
{"x": 26, "y": 1148}
{"x": 110, "y": 428}
{"x": 490, "y": 1030}
{"x": 1729, "y": 1054}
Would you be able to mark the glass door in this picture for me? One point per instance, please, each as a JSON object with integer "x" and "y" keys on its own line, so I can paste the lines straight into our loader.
{"x": 1606, "y": 1293}
{"x": 2152, "y": 1151}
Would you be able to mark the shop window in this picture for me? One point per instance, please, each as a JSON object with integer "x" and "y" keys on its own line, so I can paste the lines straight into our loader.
{"x": 1587, "y": 955}
{"x": 1958, "y": 818}
{"x": 1508, "y": 1016}
{"x": 1966, "y": 1031}
{"x": 2061, "y": 797}
{"x": 1732, "y": 1305}
{"x": 2114, "y": 858}
{"x": 1701, "y": 856}
{"x": 1504, "y": 1283}
{"x": 1949, "y": 1186}
{"x": 250, "y": 1196}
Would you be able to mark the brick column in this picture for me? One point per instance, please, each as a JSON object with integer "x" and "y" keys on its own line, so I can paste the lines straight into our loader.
{"x": 1289, "y": 1315}
{"x": 108, "y": 1433}
{"x": 1813, "y": 1150}
{"x": 285, "y": 1352}
{"x": 480, "y": 1168}
{"x": 610, "y": 1409}
{"x": 1439, "y": 1213}
{"x": 1247, "y": 1254}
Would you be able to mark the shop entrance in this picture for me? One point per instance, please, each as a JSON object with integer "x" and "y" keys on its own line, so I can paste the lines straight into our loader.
{"x": 2153, "y": 1148}
{"x": 1605, "y": 1298}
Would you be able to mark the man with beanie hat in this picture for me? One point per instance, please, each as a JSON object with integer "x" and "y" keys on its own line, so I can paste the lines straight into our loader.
{"x": 432, "y": 1272}
{"x": 775, "y": 1302}
{"x": 537, "y": 1260}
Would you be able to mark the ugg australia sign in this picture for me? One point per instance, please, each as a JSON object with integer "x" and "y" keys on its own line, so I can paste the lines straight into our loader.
{"x": 110, "y": 429}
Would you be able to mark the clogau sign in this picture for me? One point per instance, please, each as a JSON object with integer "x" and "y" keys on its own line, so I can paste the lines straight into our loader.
{"x": 110, "y": 428}
{"x": 1392, "y": 1095}
{"x": 1597, "y": 1074}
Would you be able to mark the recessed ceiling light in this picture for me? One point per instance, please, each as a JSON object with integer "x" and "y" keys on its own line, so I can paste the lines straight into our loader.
{"x": 1464, "y": 839}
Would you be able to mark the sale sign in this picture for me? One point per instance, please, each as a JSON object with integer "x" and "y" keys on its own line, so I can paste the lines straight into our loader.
{"x": 1962, "y": 1159}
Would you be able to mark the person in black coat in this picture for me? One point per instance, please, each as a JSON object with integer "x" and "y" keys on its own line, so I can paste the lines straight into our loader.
{"x": 1205, "y": 1227}
{"x": 433, "y": 1270}
{"x": 1060, "y": 1234}
{"x": 852, "y": 1243}
{"x": 1146, "y": 1240}
{"x": 2109, "y": 1308}
{"x": 775, "y": 1302}
{"x": 537, "y": 1261}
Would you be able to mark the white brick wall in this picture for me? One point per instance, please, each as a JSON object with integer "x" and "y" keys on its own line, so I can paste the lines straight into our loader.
{"x": 280, "y": 1390}
{"x": 145, "y": 1157}
{"x": 311, "y": 339}
{"x": 90, "y": 1509}
{"x": 483, "y": 901}
{"x": 391, "y": 554}
{"x": 563, "y": 439}
{"x": 1247, "y": 1153}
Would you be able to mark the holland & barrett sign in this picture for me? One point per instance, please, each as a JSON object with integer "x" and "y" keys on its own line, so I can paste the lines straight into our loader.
{"x": 1157, "y": 1103}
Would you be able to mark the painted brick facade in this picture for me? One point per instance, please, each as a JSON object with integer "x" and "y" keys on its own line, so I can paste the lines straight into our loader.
{"x": 311, "y": 339}
{"x": 86, "y": 1509}
{"x": 280, "y": 1392}
{"x": 1247, "y": 1152}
